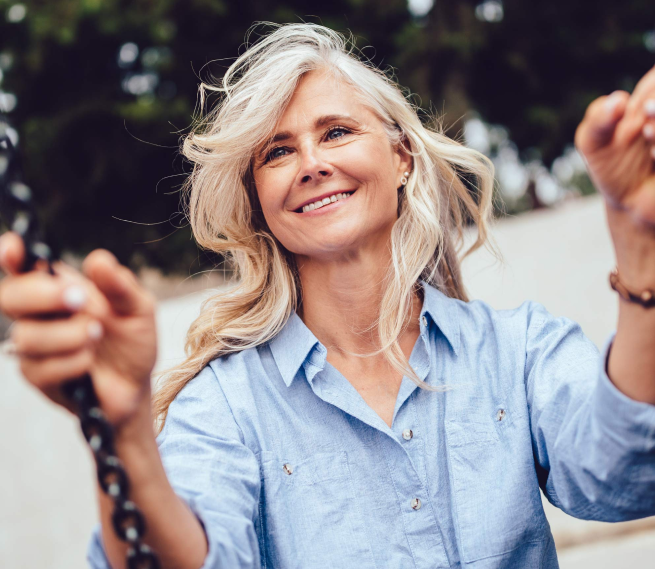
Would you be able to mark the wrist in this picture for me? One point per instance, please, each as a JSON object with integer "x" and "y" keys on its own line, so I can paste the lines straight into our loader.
{"x": 136, "y": 447}
{"x": 138, "y": 428}
{"x": 634, "y": 246}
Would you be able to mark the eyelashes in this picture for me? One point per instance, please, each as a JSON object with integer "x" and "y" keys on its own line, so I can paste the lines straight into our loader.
{"x": 336, "y": 128}
{"x": 276, "y": 152}
{"x": 272, "y": 154}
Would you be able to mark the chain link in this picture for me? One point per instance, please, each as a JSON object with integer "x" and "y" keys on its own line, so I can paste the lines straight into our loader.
{"x": 16, "y": 206}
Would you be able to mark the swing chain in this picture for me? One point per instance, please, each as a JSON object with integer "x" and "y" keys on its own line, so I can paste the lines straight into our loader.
{"x": 18, "y": 211}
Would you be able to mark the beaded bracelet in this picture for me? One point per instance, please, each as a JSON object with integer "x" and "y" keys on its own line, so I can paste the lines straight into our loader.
{"x": 646, "y": 298}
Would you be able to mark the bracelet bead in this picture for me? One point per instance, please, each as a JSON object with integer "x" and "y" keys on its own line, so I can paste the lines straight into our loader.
{"x": 645, "y": 299}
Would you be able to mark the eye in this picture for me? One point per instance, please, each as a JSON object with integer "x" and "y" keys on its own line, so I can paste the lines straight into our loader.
{"x": 278, "y": 152}
{"x": 337, "y": 132}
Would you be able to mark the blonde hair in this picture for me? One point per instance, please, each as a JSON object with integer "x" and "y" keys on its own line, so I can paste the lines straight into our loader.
{"x": 449, "y": 184}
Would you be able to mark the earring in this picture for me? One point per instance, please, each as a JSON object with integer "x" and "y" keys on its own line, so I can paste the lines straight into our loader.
{"x": 403, "y": 180}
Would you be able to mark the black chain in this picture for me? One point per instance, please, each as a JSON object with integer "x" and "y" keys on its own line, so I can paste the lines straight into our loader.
{"x": 19, "y": 214}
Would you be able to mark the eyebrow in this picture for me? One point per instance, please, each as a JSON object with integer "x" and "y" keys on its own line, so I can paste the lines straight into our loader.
{"x": 318, "y": 123}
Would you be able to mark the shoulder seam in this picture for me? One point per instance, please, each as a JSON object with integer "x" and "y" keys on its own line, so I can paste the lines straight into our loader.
{"x": 229, "y": 406}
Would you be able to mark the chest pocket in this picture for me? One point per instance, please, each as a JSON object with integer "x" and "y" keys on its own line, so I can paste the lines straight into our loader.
{"x": 495, "y": 489}
{"x": 310, "y": 514}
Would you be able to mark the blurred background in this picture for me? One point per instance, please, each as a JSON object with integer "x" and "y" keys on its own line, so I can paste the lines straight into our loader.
{"x": 100, "y": 92}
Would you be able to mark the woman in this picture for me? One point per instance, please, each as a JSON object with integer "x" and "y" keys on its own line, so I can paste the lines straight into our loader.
{"x": 345, "y": 405}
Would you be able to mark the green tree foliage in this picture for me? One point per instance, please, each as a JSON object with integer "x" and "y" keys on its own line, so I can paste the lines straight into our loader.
{"x": 100, "y": 139}
{"x": 536, "y": 70}
{"x": 94, "y": 151}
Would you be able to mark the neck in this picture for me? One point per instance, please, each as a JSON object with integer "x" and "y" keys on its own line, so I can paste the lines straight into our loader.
{"x": 341, "y": 301}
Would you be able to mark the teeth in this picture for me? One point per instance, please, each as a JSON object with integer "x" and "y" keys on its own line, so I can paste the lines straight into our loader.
{"x": 320, "y": 203}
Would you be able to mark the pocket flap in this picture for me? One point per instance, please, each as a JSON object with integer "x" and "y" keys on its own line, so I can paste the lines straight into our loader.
{"x": 320, "y": 467}
{"x": 462, "y": 433}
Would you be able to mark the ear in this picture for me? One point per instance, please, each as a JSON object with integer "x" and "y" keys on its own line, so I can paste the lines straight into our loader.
{"x": 406, "y": 163}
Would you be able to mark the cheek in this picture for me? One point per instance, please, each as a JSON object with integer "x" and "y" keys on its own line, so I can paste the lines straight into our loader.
{"x": 272, "y": 190}
{"x": 371, "y": 162}
{"x": 374, "y": 169}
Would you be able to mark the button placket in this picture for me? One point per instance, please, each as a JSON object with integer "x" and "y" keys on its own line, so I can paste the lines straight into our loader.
{"x": 407, "y": 472}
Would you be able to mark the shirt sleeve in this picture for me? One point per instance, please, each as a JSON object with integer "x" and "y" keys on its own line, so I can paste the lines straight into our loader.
{"x": 594, "y": 446}
{"x": 209, "y": 467}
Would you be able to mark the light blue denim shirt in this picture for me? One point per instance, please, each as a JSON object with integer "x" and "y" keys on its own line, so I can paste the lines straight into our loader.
{"x": 287, "y": 466}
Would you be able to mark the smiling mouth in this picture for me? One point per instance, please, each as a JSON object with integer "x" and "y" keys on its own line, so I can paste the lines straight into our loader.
{"x": 340, "y": 196}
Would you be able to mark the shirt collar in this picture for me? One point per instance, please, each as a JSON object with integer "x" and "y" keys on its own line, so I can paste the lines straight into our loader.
{"x": 443, "y": 311}
{"x": 293, "y": 345}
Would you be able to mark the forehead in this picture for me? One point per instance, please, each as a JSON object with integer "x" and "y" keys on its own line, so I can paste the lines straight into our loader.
{"x": 321, "y": 93}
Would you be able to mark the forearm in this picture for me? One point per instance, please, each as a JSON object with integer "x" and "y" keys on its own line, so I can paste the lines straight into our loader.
{"x": 173, "y": 531}
{"x": 631, "y": 363}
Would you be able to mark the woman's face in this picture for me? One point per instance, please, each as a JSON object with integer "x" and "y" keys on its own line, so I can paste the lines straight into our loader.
{"x": 328, "y": 143}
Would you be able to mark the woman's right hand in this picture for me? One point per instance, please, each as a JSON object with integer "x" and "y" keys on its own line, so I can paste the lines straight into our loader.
{"x": 55, "y": 342}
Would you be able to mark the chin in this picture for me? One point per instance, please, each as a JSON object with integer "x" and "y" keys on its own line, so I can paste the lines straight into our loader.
{"x": 325, "y": 249}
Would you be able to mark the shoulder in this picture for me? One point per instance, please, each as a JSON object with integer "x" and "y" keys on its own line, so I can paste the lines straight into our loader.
{"x": 237, "y": 369}
{"x": 518, "y": 330}
{"x": 480, "y": 313}
{"x": 237, "y": 366}
{"x": 528, "y": 333}
{"x": 479, "y": 318}
{"x": 205, "y": 399}
{"x": 528, "y": 318}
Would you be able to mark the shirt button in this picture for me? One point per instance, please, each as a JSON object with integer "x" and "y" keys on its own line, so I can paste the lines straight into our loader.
{"x": 288, "y": 469}
{"x": 416, "y": 504}
{"x": 424, "y": 320}
{"x": 407, "y": 434}
{"x": 500, "y": 415}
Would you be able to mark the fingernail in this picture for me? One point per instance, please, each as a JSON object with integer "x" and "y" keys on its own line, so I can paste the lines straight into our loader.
{"x": 649, "y": 107}
{"x": 74, "y": 297}
{"x": 612, "y": 102}
{"x": 94, "y": 330}
{"x": 649, "y": 131}
{"x": 8, "y": 348}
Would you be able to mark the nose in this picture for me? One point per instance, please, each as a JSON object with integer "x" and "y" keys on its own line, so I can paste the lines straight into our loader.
{"x": 313, "y": 167}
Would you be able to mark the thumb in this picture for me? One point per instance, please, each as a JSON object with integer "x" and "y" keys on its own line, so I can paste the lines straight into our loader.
{"x": 600, "y": 121}
{"x": 12, "y": 252}
{"x": 119, "y": 285}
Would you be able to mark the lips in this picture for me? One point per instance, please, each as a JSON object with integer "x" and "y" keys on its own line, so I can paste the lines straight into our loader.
{"x": 322, "y": 197}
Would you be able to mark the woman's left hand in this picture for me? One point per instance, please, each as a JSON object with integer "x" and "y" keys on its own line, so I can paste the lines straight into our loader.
{"x": 617, "y": 139}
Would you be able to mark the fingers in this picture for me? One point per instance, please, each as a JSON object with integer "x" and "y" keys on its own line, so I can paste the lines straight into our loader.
{"x": 12, "y": 252}
{"x": 612, "y": 108}
{"x": 644, "y": 91}
{"x": 119, "y": 285}
{"x": 39, "y": 293}
{"x": 649, "y": 128}
{"x": 50, "y": 371}
{"x": 51, "y": 352}
{"x": 599, "y": 124}
{"x": 37, "y": 338}
{"x": 641, "y": 109}
{"x": 649, "y": 108}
